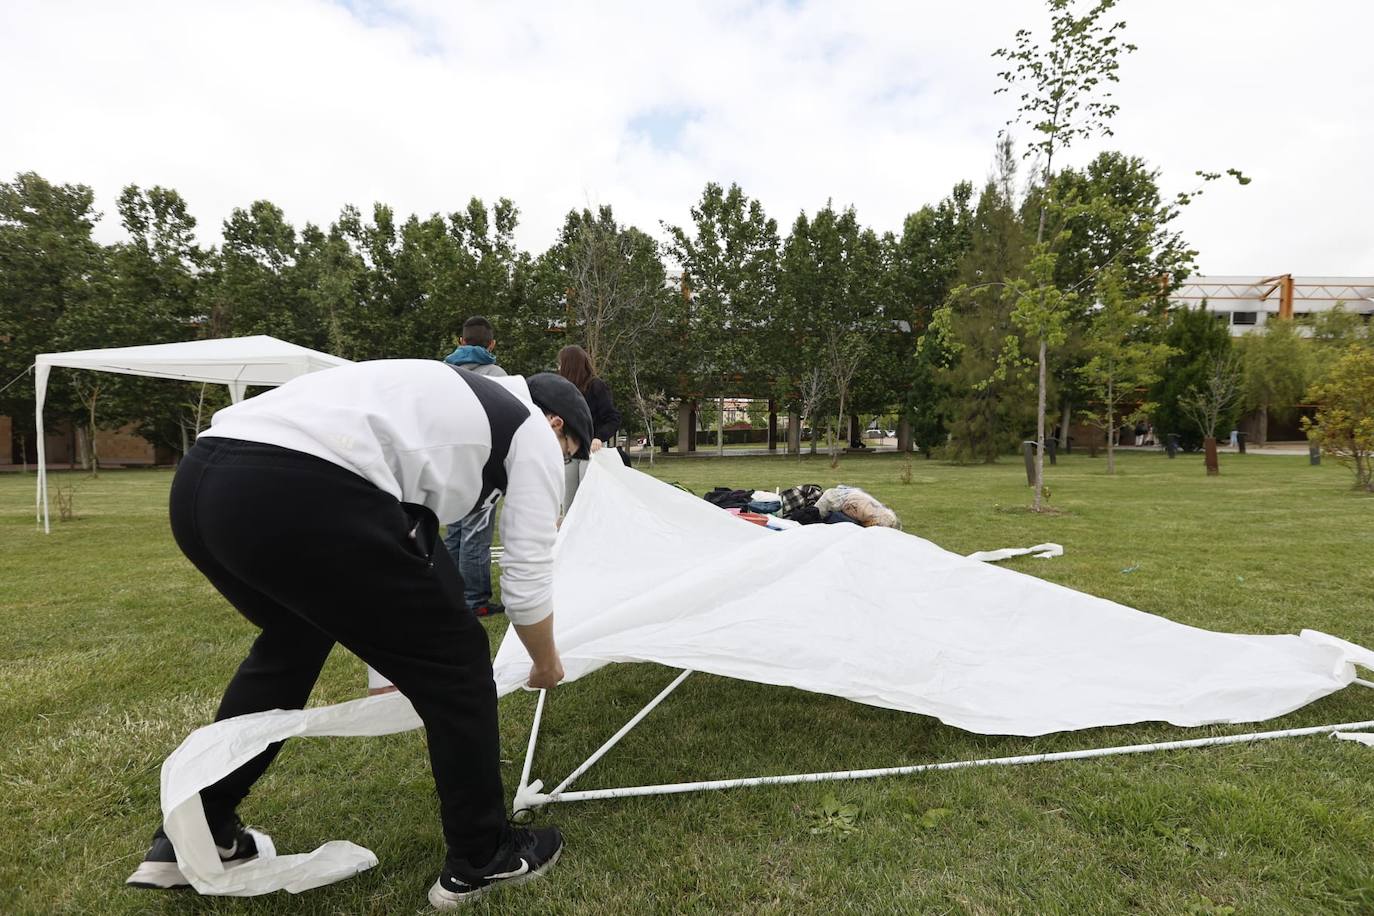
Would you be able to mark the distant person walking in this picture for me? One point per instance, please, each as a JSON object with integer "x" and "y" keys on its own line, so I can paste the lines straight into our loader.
{"x": 469, "y": 539}
{"x": 575, "y": 365}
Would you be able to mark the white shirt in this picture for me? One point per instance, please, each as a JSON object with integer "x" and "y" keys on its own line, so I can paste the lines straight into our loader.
{"x": 414, "y": 429}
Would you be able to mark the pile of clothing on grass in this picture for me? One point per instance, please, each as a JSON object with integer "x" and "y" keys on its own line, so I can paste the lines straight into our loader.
{"x": 807, "y": 504}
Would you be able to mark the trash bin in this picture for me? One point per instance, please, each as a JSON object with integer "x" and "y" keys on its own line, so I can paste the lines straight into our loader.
{"x": 1171, "y": 445}
{"x": 1314, "y": 453}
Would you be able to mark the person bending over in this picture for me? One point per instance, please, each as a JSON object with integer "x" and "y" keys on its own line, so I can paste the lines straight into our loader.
{"x": 314, "y": 508}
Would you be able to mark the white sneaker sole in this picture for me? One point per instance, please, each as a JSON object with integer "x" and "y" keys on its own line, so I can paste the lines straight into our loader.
{"x": 442, "y": 899}
{"x": 158, "y": 876}
{"x": 166, "y": 876}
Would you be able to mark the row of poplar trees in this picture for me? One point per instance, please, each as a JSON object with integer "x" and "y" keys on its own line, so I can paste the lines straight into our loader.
{"x": 830, "y": 319}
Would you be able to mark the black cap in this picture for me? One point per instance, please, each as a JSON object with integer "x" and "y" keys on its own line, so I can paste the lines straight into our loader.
{"x": 554, "y": 394}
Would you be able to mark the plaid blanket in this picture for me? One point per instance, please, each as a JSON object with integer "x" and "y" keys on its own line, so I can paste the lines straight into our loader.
{"x": 794, "y": 498}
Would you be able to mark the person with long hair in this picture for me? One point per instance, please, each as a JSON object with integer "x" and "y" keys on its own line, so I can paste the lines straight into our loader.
{"x": 575, "y": 365}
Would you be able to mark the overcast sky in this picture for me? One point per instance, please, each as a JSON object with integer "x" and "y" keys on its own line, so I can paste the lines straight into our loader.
{"x": 884, "y": 105}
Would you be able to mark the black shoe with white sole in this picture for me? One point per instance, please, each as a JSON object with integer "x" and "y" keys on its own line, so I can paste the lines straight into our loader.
{"x": 525, "y": 854}
{"x": 159, "y": 869}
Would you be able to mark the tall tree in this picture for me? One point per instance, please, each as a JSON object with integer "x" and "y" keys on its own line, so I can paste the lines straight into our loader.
{"x": 977, "y": 349}
{"x": 1065, "y": 97}
{"x": 255, "y": 289}
{"x": 616, "y": 285}
{"x": 924, "y": 263}
{"x": 154, "y": 290}
{"x": 1108, "y": 216}
{"x": 48, "y": 262}
{"x": 729, "y": 261}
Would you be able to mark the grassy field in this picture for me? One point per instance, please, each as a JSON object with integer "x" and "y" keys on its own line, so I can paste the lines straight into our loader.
{"x": 113, "y": 649}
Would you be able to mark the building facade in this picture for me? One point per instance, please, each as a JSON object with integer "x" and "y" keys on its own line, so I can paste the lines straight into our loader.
{"x": 1247, "y": 303}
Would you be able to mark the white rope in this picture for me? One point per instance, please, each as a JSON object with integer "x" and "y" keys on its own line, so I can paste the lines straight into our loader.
{"x": 675, "y": 788}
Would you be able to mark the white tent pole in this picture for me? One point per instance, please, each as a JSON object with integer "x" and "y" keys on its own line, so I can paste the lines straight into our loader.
{"x": 675, "y": 788}
{"x": 624, "y": 730}
{"x": 534, "y": 736}
{"x": 40, "y": 393}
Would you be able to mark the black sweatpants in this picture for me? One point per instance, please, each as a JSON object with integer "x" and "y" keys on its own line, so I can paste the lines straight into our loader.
{"x": 314, "y": 554}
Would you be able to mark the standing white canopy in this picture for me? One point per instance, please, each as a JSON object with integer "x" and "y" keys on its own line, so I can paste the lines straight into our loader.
{"x": 236, "y": 362}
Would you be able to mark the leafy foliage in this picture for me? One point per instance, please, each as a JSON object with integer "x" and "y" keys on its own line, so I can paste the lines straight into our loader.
{"x": 1123, "y": 357}
{"x": 1198, "y": 340}
{"x": 1344, "y": 425}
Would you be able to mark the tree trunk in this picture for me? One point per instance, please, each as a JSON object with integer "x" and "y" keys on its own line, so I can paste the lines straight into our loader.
{"x": 1111, "y": 423}
{"x": 1210, "y": 452}
{"x": 1263, "y": 436}
{"x": 1040, "y": 425}
{"x": 904, "y": 434}
{"x": 686, "y": 428}
{"x": 1065, "y": 416}
{"x": 720, "y": 429}
{"x": 81, "y": 447}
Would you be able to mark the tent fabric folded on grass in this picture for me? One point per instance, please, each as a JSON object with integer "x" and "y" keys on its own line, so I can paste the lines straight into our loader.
{"x": 868, "y": 614}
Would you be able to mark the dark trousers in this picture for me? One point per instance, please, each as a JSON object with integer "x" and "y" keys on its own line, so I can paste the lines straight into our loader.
{"x": 313, "y": 554}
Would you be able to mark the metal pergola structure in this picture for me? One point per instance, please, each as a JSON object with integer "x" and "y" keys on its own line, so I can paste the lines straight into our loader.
{"x": 1280, "y": 296}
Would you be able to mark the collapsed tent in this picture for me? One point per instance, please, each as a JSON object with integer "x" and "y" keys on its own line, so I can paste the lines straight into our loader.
{"x": 868, "y": 614}
{"x": 884, "y": 618}
{"x": 237, "y": 362}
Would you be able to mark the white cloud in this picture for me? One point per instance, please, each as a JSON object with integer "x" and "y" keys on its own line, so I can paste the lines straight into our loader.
{"x": 424, "y": 103}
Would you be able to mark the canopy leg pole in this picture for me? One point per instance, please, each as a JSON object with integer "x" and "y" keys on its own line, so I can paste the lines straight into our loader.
{"x": 674, "y": 788}
{"x": 1363, "y": 683}
{"x": 534, "y": 738}
{"x": 624, "y": 730}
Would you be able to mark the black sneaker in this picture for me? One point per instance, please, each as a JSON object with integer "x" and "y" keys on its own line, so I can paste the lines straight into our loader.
{"x": 524, "y": 855}
{"x": 159, "y": 869}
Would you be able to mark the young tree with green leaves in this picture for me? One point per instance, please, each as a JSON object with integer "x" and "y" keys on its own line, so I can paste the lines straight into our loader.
{"x": 1207, "y": 403}
{"x": 1344, "y": 424}
{"x": 1064, "y": 98}
{"x": 1123, "y": 357}
{"x": 1331, "y": 333}
{"x": 1276, "y": 367}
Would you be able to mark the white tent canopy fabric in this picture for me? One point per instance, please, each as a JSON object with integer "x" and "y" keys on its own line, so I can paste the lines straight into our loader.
{"x": 236, "y": 362}
{"x": 645, "y": 572}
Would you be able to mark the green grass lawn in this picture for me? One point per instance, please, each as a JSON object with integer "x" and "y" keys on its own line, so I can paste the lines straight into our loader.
{"x": 113, "y": 649}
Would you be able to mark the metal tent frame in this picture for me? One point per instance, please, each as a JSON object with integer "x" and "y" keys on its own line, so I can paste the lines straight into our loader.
{"x": 530, "y": 795}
